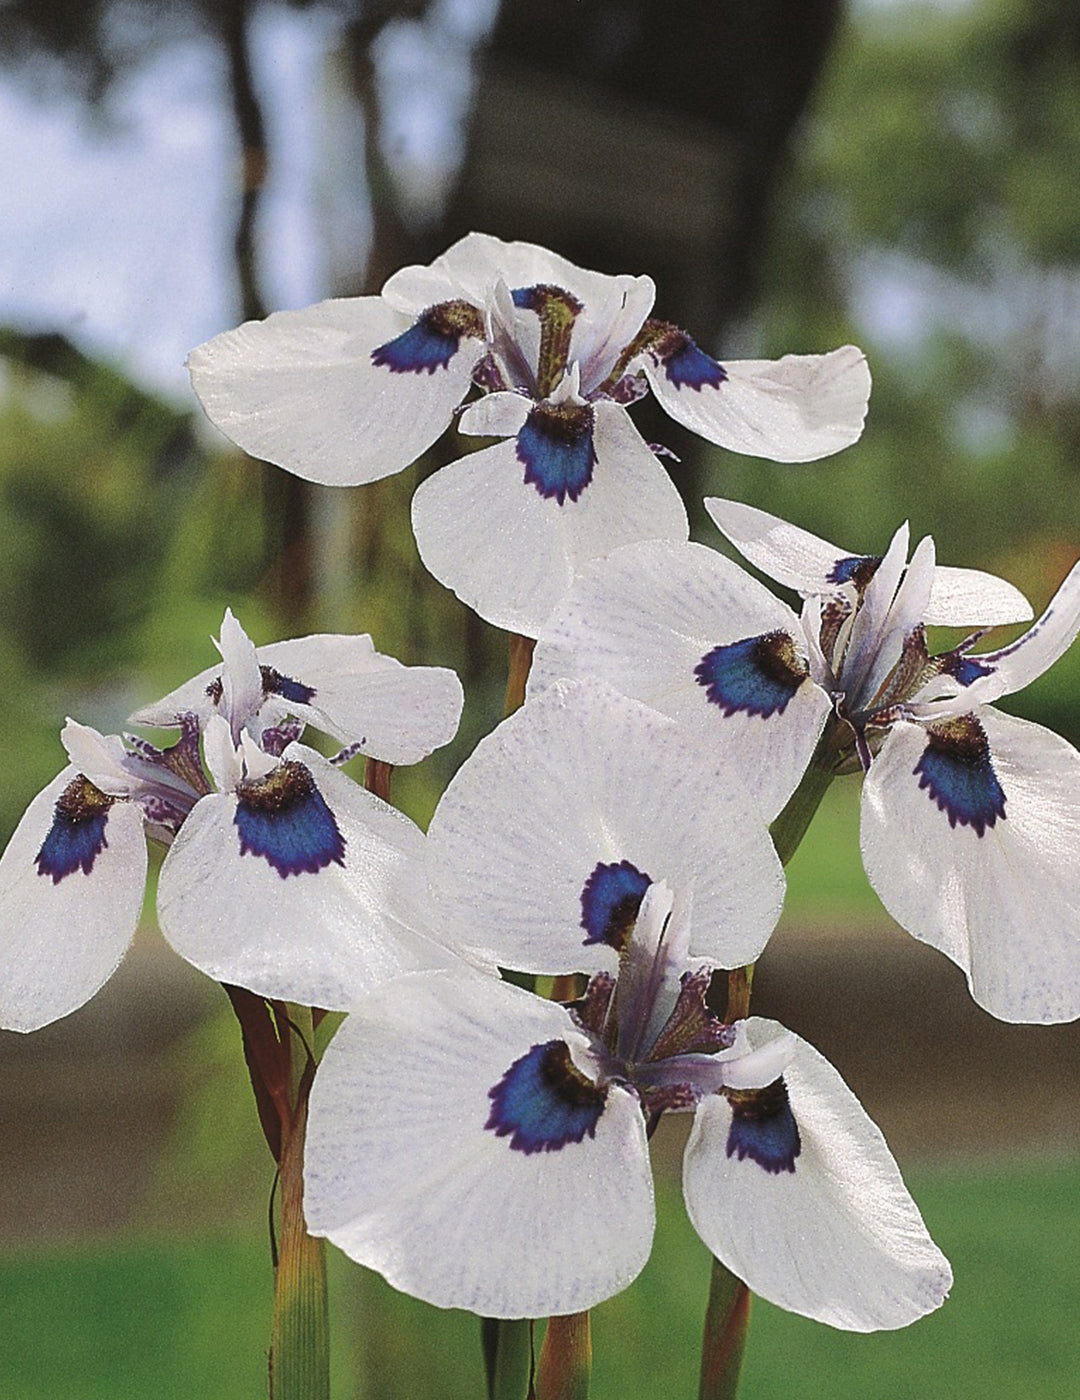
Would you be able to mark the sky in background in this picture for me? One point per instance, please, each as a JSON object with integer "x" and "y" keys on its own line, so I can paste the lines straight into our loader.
{"x": 118, "y": 235}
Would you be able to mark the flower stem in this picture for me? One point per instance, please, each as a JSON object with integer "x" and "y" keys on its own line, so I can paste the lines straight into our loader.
{"x": 726, "y": 1322}
{"x": 789, "y": 828}
{"x": 565, "y": 1364}
{"x": 508, "y": 1357}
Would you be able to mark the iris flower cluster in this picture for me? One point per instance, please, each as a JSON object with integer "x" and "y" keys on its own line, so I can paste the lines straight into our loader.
{"x": 613, "y": 833}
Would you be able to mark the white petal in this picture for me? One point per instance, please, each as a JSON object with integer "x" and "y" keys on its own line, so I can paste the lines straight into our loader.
{"x": 1017, "y": 665}
{"x": 795, "y": 409}
{"x": 645, "y": 617}
{"x": 839, "y": 1239}
{"x": 496, "y": 415}
{"x": 402, "y": 1174}
{"x": 396, "y": 713}
{"x": 100, "y": 757}
{"x": 870, "y": 625}
{"x": 242, "y": 689}
{"x": 510, "y": 553}
{"x": 582, "y": 776}
{"x": 300, "y": 389}
{"x": 318, "y": 938}
{"x": 971, "y": 598}
{"x": 224, "y": 759}
{"x": 61, "y": 940}
{"x": 785, "y": 553}
{"x": 1005, "y": 906}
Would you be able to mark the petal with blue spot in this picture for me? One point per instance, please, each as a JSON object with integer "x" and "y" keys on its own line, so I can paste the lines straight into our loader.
{"x": 432, "y": 341}
{"x": 858, "y": 569}
{"x": 284, "y": 818}
{"x": 957, "y": 772}
{"x": 610, "y": 902}
{"x": 555, "y": 446}
{"x": 274, "y": 683}
{"x": 543, "y": 1101}
{"x": 685, "y": 364}
{"x": 77, "y": 834}
{"x": 755, "y": 675}
{"x": 763, "y": 1128}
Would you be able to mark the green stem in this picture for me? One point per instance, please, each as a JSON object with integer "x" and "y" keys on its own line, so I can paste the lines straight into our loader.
{"x": 510, "y": 1358}
{"x": 789, "y": 828}
{"x": 521, "y": 654}
{"x": 726, "y": 1321}
{"x": 565, "y": 1364}
{"x": 300, "y": 1334}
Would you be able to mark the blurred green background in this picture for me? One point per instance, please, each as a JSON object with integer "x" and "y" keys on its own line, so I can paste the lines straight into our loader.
{"x": 794, "y": 174}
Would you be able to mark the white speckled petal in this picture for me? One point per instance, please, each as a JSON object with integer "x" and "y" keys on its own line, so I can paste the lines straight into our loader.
{"x": 61, "y": 940}
{"x": 402, "y": 1174}
{"x": 1005, "y": 906}
{"x": 795, "y": 409}
{"x": 642, "y": 619}
{"x": 300, "y": 390}
{"x": 839, "y": 1239}
{"x": 582, "y": 776}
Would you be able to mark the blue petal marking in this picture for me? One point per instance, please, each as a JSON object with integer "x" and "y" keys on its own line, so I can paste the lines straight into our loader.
{"x": 687, "y": 365}
{"x": 763, "y": 1128}
{"x": 77, "y": 833}
{"x": 858, "y": 569}
{"x": 543, "y": 1101}
{"x": 965, "y": 669}
{"x": 284, "y": 818}
{"x": 555, "y": 445}
{"x": 610, "y": 902}
{"x": 274, "y": 683}
{"x": 426, "y": 345}
{"x": 957, "y": 771}
{"x": 757, "y": 675}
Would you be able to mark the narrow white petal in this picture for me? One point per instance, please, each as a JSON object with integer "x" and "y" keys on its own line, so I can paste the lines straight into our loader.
{"x": 872, "y": 617}
{"x": 402, "y": 1174}
{"x": 579, "y": 777}
{"x": 60, "y": 940}
{"x": 242, "y": 689}
{"x": 642, "y": 619}
{"x": 1005, "y": 906}
{"x": 971, "y": 598}
{"x": 318, "y": 937}
{"x": 795, "y": 409}
{"x": 785, "y": 553}
{"x": 839, "y": 1239}
{"x": 1018, "y": 664}
{"x": 397, "y": 713}
{"x": 510, "y": 553}
{"x": 100, "y": 757}
{"x": 300, "y": 389}
{"x": 495, "y": 415}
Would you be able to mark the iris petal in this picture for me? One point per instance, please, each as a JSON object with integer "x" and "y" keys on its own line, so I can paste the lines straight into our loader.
{"x": 543, "y": 1101}
{"x": 285, "y": 819}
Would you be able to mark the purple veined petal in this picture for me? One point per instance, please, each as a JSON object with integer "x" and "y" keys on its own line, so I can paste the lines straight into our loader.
{"x": 1004, "y": 905}
{"x": 301, "y": 389}
{"x": 311, "y": 911}
{"x": 71, "y": 889}
{"x": 972, "y": 598}
{"x": 582, "y": 778}
{"x": 1018, "y": 664}
{"x": 646, "y": 619}
{"x": 836, "y": 1238}
{"x": 784, "y": 552}
{"x": 795, "y": 409}
{"x": 871, "y": 624}
{"x": 510, "y": 553}
{"x": 403, "y": 1173}
{"x": 360, "y": 696}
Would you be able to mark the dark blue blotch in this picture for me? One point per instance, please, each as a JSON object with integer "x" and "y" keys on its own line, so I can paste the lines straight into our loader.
{"x": 429, "y": 344}
{"x": 284, "y": 818}
{"x": 858, "y": 569}
{"x": 543, "y": 1101}
{"x": 274, "y": 683}
{"x": 77, "y": 833}
{"x": 965, "y": 669}
{"x": 687, "y": 365}
{"x": 525, "y": 297}
{"x": 763, "y": 1128}
{"x": 957, "y": 771}
{"x": 610, "y": 902}
{"x": 555, "y": 445}
{"x": 757, "y": 675}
